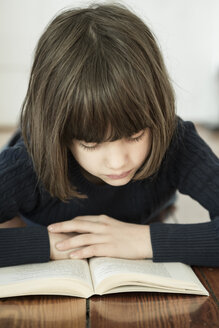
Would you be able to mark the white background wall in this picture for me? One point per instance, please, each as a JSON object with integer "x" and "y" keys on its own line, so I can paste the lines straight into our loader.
{"x": 188, "y": 34}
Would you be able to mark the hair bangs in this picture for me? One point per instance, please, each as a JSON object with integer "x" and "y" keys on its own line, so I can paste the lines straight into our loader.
{"x": 104, "y": 106}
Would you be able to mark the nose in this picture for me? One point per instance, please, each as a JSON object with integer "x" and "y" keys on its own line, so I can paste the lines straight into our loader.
{"x": 116, "y": 156}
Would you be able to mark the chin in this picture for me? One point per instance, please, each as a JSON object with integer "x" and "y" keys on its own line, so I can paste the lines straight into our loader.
{"x": 117, "y": 183}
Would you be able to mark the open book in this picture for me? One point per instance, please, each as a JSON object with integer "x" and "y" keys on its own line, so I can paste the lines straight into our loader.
{"x": 98, "y": 275}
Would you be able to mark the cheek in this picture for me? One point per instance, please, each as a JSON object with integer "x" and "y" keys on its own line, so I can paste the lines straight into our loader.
{"x": 141, "y": 155}
{"x": 84, "y": 158}
{"x": 141, "y": 151}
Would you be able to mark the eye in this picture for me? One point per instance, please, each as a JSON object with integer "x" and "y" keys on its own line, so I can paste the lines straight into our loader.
{"x": 137, "y": 137}
{"x": 93, "y": 146}
{"x": 90, "y": 147}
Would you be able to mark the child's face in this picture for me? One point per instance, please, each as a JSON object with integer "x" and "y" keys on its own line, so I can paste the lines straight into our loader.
{"x": 114, "y": 162}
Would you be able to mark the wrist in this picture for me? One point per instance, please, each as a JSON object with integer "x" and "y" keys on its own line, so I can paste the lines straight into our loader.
{"x": 148, "y": 243}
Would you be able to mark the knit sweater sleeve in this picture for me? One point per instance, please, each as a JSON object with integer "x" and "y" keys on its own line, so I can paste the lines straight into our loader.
{"x": 18, "y": 194}
{"x": 193, "y": 170}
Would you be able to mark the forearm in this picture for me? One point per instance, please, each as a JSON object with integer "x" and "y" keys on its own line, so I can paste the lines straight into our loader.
{"x": 23, "y": 246}
{"x": 193, "y": 244}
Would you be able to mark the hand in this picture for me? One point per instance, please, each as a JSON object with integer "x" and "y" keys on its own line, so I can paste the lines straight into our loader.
{"x": 103, "y": 236}
{"x": 55, "y": 238}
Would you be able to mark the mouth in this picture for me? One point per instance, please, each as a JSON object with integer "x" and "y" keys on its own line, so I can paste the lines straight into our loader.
{"x": 119, "y": 176}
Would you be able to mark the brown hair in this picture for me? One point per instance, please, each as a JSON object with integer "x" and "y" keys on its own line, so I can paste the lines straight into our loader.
{"x": 94, "y": 68}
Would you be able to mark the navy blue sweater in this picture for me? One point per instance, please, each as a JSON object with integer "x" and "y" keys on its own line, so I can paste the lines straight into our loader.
{"x": 189, "y": 166}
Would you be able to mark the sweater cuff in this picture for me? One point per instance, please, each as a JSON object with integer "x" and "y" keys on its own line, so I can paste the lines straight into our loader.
{"x": 24, "y": 245}
{"x": 193, "y": 244}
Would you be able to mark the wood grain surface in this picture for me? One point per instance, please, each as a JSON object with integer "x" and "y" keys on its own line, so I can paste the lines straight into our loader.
{"x": 153, "y": 310}
{"x": 211, "y": 275}
{"x": 42, "y": 312}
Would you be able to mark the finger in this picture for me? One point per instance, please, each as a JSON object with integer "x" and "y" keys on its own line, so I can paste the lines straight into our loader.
{"x": 101, "y": 219}
{"x": 81, "y": 241}
{"x": 76, "y": 225}
{"x": 93, "y": 250}
{"x": 94, "y": 218}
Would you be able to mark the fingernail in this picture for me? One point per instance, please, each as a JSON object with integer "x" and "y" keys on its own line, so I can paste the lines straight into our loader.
{"x": 50, "y": 228}
{"x": 74, "y": 256}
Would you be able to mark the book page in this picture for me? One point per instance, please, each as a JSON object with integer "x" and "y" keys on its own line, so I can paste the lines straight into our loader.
{"x": 176, "y": 275}
{"x": 77, "y": 269}
{"x": 103, "y": 267}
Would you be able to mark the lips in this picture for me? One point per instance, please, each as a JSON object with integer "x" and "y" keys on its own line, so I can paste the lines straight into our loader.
{"x": 120, "y": 176}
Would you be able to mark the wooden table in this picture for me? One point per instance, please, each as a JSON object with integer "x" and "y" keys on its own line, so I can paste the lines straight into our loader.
{"x": 156, "y": 310}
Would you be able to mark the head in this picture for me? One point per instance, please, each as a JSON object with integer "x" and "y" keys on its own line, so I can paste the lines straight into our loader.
{"x": 98, "y": 80}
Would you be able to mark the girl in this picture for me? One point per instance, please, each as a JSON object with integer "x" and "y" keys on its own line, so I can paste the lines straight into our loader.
{"x": 102, "y": 150}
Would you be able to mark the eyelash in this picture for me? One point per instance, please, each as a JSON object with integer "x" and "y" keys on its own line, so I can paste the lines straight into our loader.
{"x": 137, "y": 139}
